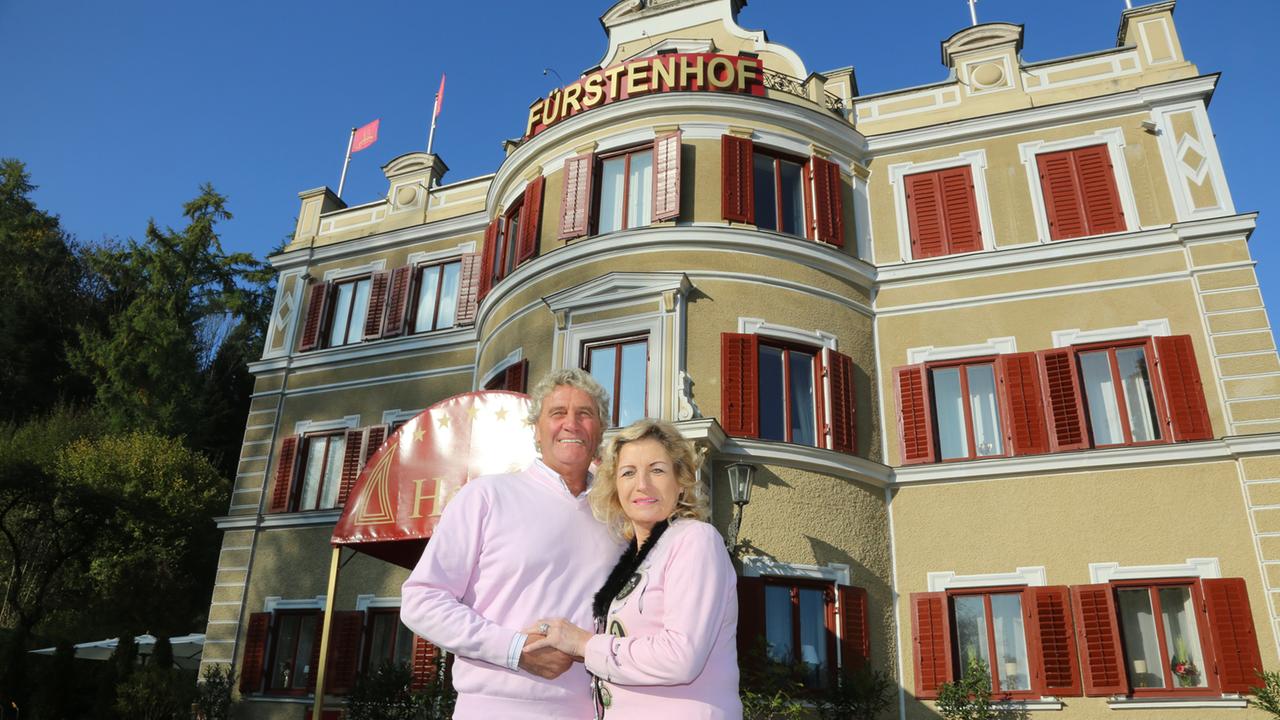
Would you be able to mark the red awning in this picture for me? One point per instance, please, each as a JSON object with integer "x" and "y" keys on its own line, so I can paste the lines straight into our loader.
{"x": 399, "y": 495}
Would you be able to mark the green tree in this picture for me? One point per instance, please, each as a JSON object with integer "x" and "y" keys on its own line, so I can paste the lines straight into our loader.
{"x": 969, "y": 698}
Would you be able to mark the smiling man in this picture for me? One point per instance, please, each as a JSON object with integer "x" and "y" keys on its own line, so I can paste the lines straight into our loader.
{"x": 513, "y": 548}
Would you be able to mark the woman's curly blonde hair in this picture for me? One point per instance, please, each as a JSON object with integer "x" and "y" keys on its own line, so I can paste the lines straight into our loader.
{"x": 692, "y": 502}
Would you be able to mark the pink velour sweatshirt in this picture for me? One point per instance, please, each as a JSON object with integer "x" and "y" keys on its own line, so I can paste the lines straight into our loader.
{"x": 508, "y": 551}
{"x": 671, "y": 651}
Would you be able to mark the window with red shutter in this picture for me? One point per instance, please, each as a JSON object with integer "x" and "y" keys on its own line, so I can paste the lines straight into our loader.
{"x": 489, "y": 259}
{"x": 531, "y": 222}
{"x": 397, "y": 302}
{"x": 666, "y": 177}
{"x": 286, "y": 474}
{"x": 855, "y": 636}
{"x": 321, "y": 470}
{"x": 841, "y": 402}
{"x": 752, "y": 644}
{"x": 800, "y": 628}
{"x": 1049, "y": 610}
{"x": 435, "y": 305}
{"x": 942, "y": 212}
{"x": 1064, "y": 408}
{"x": 739, "y": 395}
{"x": 344, "y": 653}
{"x": 1025, "y": 429}
{"x": 294, "y": 652}
{"x": 387, "y": 640}
{"x": 1098, "y": 634}
{"x": 1235, "y": 638}
{"x": 990, "y": 625}
{"x": 1080, "y": 194}
{"x": 1186, "y": 413}
{"x": 348, "y": 309}
{"x": 425, "y": 668}
{"x": 377, "y": 434}
{"x": 930, "y": 643}
{"x": 915, "y": 414}
{"x": 373, "y": 318}
{"x": 512, "y": 379}
{"x": 965, "y": 409}
{"x": 828, "y": 202}
{"x": 575, "y": 200}
{"x": 736, "y": 191}
{"x": 257, "y": 635}
{"x": 317, "y": 295}
{"x": 468, "y": 289}
{"x": 352, "y": 462}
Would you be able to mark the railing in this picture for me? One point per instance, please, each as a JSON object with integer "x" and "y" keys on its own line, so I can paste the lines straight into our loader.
{"x": 774, "y": 80}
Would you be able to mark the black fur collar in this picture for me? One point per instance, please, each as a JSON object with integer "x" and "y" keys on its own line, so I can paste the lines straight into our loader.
{"x": 626, "y": 567}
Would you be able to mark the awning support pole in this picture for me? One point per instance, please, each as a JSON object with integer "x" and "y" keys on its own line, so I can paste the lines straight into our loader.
{"x": 326, "y": 623}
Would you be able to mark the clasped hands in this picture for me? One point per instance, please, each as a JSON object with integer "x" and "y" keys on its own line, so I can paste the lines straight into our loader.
{"x": 552, "y": 647}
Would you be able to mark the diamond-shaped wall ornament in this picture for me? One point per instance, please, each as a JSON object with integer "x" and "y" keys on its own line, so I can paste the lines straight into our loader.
{"x": 1191, "y": 155}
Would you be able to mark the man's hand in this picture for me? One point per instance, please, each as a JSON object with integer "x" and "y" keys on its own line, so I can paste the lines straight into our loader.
{"x": 545, "y": 662}
{"x": 560, "y": 634}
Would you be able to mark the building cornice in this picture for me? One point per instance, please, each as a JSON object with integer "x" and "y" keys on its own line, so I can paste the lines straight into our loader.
{"x": 1137, "y": 100}
{"x": 441, "y": 341}
{"x": 431, "y": 231}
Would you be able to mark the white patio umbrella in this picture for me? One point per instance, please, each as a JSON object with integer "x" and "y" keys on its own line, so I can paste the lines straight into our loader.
{"x": 186, "y": 649}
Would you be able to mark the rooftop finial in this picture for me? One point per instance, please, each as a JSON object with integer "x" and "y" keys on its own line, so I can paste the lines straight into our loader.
{"x": 973, "y": 12}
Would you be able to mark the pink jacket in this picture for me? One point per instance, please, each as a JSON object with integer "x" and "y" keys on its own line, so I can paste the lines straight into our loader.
{"x": 509, "y": 549}
{"x": 672, "y": 648}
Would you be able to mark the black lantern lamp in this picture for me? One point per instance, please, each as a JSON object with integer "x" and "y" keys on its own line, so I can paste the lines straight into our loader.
{"x": 740, "y": 480}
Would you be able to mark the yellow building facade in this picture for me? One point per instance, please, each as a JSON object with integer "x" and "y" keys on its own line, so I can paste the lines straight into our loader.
{"x": 993, "y": 346}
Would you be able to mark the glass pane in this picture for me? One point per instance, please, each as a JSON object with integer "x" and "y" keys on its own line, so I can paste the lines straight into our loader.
{"x": 1100, "y": 393}
{"x": 286, "y": 639}
{"x": 1181, "y": 637}
{"x": 448, "y": 297}
{"x": 302, "y": 658}
{"x": 380, "y": 639}
{"x": 1137, "y": 393}
{"x": 777, "y": 622}
{"x": 948, "y": 408}
{"x": 773, "y": 419}
{"x": 425, "y": 318}
{"x": 313, "y": 473}
{"x": 631, "y": 394}
{"x": 601, "y": 362}
{"x": 611, "y": 186}
{"x": 1012, "y": 670}
{"x": 333, "y": 473}
{"x": 404, "y": 644}
{"x": 813, "y": 636}
{"x": 792, "y": 198}
{"x": 801, "y": 396}
{"x": 341, "y": 314}
{"x": 983, "y": 410}
{"x": 766, "y": 201}
{"x": 359, "y": 308}
{"x": 1138, "y": 631}
{"x": 512, "y": 243}
{"x": 640, "y": 190}
{"x": 971, "y": 630}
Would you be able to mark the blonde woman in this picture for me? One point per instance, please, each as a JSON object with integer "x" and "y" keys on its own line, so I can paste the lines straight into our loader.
{"x": 666, "y": 619}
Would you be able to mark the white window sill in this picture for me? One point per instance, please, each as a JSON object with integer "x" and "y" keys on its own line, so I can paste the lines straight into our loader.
{"x": 1224, "y": 702}
{"x": 1045, "y": 703}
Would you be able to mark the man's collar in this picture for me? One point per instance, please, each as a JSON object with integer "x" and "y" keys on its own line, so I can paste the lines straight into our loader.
{"x": 546, "y": 470}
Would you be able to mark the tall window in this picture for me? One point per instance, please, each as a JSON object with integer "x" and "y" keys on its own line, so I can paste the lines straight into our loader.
{"x": 437, "y": 301}
{"x": 787, "y": 391}
{"x": 626, "y": 190}
{"x": 1161, "y": 635}
{"x": 1079, "y": 191}
{"x": 779, "y": 193}
{"x": 942, "y": 213}
{"x": 989, "y": 628}
{"x": 967, "y": 411}
{"x": 389, "y": 641}
{"x": 622, "y": 367}
{"x": 800, "y": 627}
{"x": 322, "y": 471}
{"x": 1117, "y": 388}
{"x": 292, "y": 647}
{"x": 350, "y": 305}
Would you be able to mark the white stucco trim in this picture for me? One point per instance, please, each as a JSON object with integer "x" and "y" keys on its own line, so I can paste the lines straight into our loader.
{"x": 342, "y": 273}
{"x": 422, "y": 258}
{"x": 1144, "y": 328}
{"x": 1178, "y": 175}
{"x": 365, "y": 602}
{"x": 274, "y": 603}
{"x": 817, "y": 338}
{"x": 512, "y": 358}
{"x": 396, "y": 415}
{"x": 1204, "y": 568}
{"x": 1032, "y": 576}
{"x": 1114, "y": 140}
{"x": 976, "y": 160}
{"x": 760, "y": 566}
{"x": 302, "y": 427}
{"x": 932, "y": 353}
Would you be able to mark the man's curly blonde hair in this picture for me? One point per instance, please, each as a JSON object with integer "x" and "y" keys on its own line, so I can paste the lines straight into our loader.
{"x": 692, "y": 502}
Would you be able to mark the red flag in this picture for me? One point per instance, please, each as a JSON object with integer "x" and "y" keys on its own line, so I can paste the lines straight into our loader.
{"x": 365, "y": 136}
{"x": 439, "y": 99}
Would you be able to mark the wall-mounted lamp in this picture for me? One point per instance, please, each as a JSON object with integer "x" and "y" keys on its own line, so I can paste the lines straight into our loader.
{"x": 740, "y": 479}
{"x": 1151, "y": 127}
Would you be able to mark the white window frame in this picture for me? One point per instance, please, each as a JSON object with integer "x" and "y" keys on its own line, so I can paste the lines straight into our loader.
{"x": 934, "y": 353}
{"x": 1031, "y": 576}
{"x": 1206, "y": 568}
{"x": 1113, "y": 138}
{"x": 976, "y": 160}
{"x": 1144, "y": 328}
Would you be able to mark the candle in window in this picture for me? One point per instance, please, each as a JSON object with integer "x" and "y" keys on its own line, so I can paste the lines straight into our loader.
{"x": 1011, "y": 669}
{"x": 1140, "y": 666}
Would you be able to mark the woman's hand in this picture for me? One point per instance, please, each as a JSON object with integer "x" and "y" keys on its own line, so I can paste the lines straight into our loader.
{"x": 561, "y": 635}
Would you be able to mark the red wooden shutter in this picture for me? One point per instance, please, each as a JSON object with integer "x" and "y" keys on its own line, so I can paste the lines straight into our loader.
{"x": 468, "y": 288}
{"x": 1049, "y": 617}
{"x": 960, "y": 208}
{"x": 514, "y": 377}
{"x": 377, "y": 305}
{"x": 1063, "y": 405}
{"x": 1102, "y": 656}
{"x": 737, "y": 191}
{"x": 828, "y": 204}
{"x": 1026, "y": 432}
{"x": 666, "y": 177}
{"x": 530, "y": 220}
{"x": 319, "y": 291}
{"x": 931, "y": 642}
{"x": 424, "y": 663}
{"x": 1062, "y": 195}
{"x": 840, "y": 398}
{"x": 924, "y": 215}
{"x": 751, "y": 634}
{"x": 490, "y": 259}
{"x": 915, "y": 414}
{"x": 397, "y": 302}
{"x": 1186, "y": 414}
{"x": 575, "y": 201}
{"x": 855, "y": 640}
{"x": 344, "y": 652}
{"x": 255, "y": 652}
{"x": 313, "y": 665}
{"x": 1234, "y": 637}
{"x": 739, "y": 386}
{"x": 352, "y": 461}
{"x": 377, "y": 434}
{"x": 285, "y": 472}
{"x": 1102, "y": 209}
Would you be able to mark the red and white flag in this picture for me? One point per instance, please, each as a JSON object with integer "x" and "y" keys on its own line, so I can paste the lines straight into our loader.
{"x": 365, "y": 136}
{"x": 439, "y": 99}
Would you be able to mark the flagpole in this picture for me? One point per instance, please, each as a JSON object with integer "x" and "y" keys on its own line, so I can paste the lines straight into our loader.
{"x": 342, "y": 181}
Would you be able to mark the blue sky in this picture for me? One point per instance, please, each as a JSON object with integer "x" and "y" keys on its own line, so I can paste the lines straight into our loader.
{"x": 121, "y": 110}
